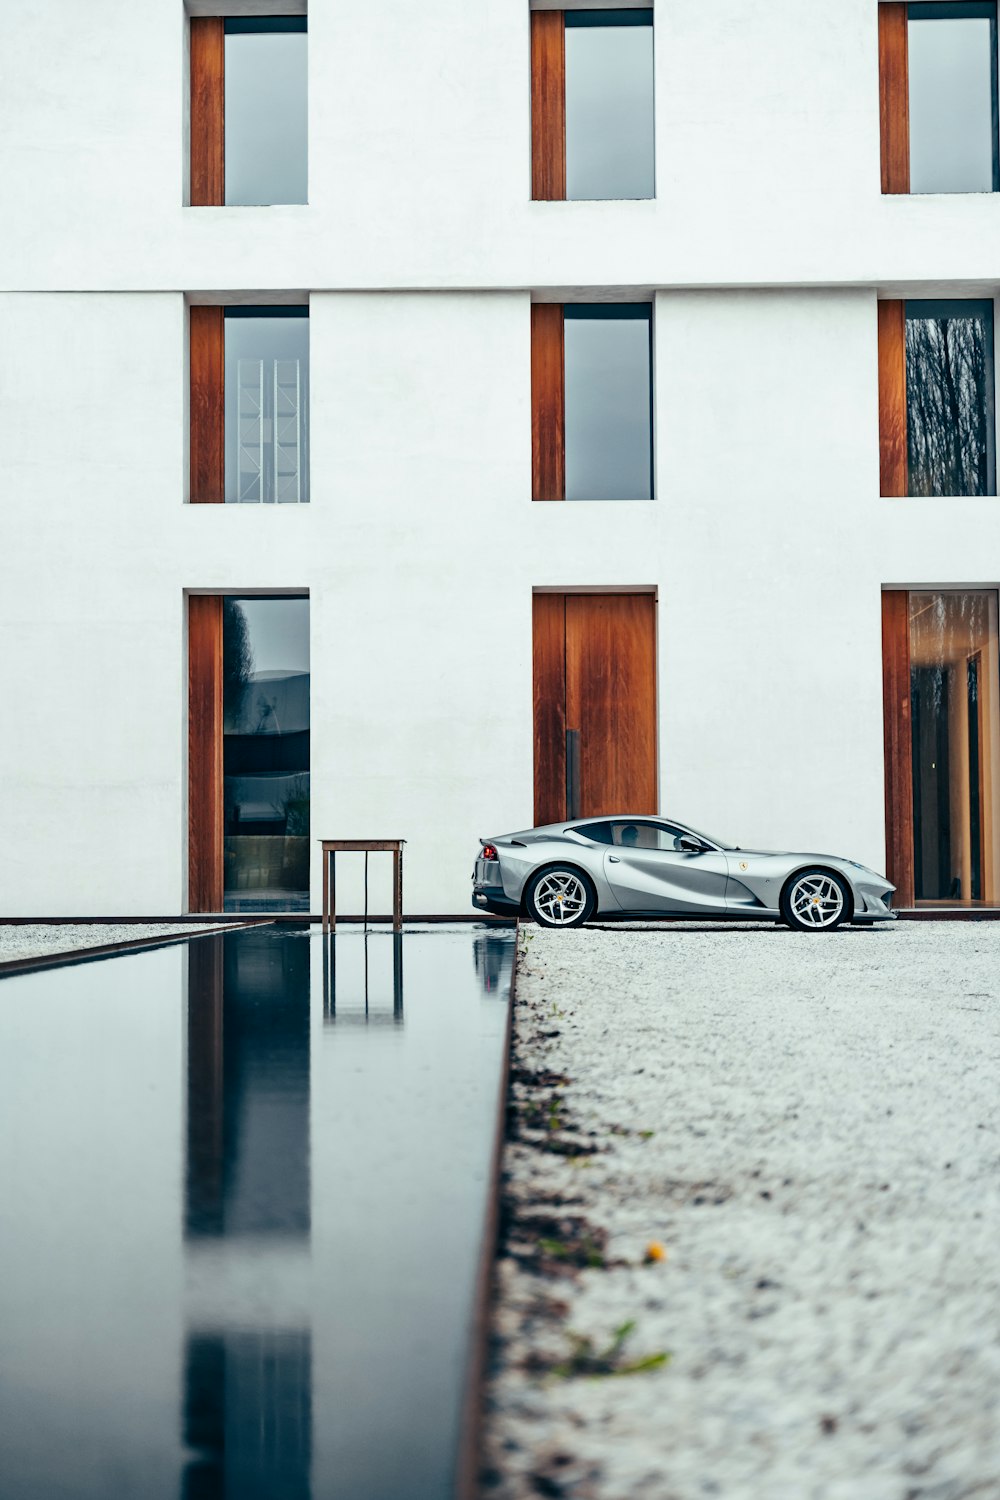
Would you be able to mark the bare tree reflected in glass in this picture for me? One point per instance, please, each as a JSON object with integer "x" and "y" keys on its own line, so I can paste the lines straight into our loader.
{"x": 949, "y": 398}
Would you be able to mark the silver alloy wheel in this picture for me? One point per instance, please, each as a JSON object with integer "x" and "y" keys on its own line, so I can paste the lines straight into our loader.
{"x": 560, "y": 897}
{"x": 816, "y": 900}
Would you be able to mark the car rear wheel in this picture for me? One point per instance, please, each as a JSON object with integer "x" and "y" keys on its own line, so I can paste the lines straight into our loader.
{"x": 815, "y": 901}
{"x": 560, "y": 898}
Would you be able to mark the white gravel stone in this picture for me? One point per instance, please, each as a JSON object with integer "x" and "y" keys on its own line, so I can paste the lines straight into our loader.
{"x": 823, "y": 1172}
{"x": 46, "y": 940}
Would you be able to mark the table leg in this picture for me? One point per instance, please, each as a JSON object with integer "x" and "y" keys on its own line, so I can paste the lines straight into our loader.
{"x": 397, "y": 890}
{"x": 326, "y": 890}
{"x": 333, "y": 890}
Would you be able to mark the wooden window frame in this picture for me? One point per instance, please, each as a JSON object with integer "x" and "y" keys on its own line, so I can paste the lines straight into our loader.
{"x": 548, "y": 106}
{"x": 893, "y": 475}
{"x": 898, "y": 733}
{"x": 207, "y": 399}
{"x": 894, "y": 95}
{"x": 548, "y": 400}
{"x": 208, "y": 111}
{"x": 205, "y": 754}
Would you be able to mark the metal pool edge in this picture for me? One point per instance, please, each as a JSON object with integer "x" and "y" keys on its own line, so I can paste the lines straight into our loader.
{"x": 471, "y": 1422}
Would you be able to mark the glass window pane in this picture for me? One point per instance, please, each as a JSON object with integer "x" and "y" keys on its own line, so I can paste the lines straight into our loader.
{"x": 951, "y": 70}
{"x": 609, "y": 107}
{"x": 266, "y": 117}
{"x": 265, "y": 675}
{"x": 608, "y": 409}
{"x": 955, "y": 717}
{"x": 267, "y": 406}
{"x": 646, "y": 836}
{"x": 949, "y": 398}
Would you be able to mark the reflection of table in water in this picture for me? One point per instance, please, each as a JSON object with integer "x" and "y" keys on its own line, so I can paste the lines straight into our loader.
{"x": 333, "y": 847}
{"x": 363, "y": 1008}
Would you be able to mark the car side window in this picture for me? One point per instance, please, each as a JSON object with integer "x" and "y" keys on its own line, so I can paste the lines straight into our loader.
{"x": 601, "y": 833}
{"x": 634, "y": 835}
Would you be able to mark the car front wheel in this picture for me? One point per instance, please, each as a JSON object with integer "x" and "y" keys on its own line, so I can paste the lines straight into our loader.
{"x": 815, "y": 901}
{"x": 560, "y": 898}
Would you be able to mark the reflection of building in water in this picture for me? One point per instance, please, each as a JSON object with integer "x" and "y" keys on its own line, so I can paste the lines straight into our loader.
{"x": 246, "y": 1408}
{"x": 247, "y": 1415}
{"x": 494, "y": 959}
{"x": 363, "y": 979}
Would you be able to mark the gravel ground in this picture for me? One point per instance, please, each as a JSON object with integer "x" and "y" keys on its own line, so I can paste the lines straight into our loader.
{"x": 809, "y": 1127}
{"x": 44, "y": 939}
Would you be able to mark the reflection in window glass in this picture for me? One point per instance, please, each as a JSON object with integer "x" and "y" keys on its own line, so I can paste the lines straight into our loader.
{"x": 955, "y": 717}
{"x": 267, "y": 404}
{"x": 265, "y": 660}
{"x": 952, "y": 81}
{"x": 609, "y": 427}
{"x": 609, "y": 104}
{"x": 951, "y": 438}
{"x": 266, "y": 111}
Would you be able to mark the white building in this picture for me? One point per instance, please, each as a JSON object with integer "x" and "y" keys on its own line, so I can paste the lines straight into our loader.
{"x": 401, "y": 447}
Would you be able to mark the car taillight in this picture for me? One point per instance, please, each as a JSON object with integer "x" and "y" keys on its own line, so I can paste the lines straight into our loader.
{"x": 489, "y": 852}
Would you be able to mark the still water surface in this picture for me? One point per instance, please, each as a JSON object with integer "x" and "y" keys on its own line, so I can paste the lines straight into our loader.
{"x": 242, "y": 1190}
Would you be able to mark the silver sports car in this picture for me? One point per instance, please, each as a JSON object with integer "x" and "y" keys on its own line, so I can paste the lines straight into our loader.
{"x": 564, "y": 874}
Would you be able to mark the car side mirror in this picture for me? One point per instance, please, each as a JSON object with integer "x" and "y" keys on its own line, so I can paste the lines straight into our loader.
{"x": 688, "y": 844}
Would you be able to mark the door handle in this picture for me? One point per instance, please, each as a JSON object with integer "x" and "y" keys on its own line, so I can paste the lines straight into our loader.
{"x": 613, "y": 859}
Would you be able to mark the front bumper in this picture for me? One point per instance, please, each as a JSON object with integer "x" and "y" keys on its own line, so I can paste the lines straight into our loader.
{"x": 874, "y": 902}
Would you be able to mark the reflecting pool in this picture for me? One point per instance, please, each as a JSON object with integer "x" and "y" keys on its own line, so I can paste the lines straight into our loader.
{"x": 244, "y": 1181}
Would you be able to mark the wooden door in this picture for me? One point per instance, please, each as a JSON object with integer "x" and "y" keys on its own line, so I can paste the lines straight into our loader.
{"x": 594, "y": 705}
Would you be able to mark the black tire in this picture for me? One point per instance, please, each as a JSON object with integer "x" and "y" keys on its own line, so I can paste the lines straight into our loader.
{"x": 556, "y": 888}
{"x": 818, "y": 891}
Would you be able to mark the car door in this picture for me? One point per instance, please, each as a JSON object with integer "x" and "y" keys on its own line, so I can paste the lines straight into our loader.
{"x": 651, "y": 876}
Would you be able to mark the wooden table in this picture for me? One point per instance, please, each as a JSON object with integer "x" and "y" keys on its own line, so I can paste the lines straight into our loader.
{"x": 333, "y": 847}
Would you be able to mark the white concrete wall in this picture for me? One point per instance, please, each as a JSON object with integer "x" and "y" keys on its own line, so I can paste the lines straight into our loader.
{"x": 767, "y": 543}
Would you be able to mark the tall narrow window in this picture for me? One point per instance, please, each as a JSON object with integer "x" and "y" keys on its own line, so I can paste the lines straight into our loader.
{"x": 592, "y": 104}
{"x": 943, "y": 745}
{"x": 592, "y": 422}
{"x": 937, "y": 398}
{"x": 267, "y": 404}
{"x": 265, "y": 685}
{"x": 939, "y": 112}
{"x": 250, "y": 404}
{"x": 248, "y": 753}
{"x": 249, "y": 109}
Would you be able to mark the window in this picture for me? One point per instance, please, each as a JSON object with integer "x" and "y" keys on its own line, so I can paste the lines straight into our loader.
{"x": 267, "y": 404}
{"x": 249, "y": 137}
{"x": 937, "y": 407}
{"x": 250, "y": 404}
{"x": 592, "y": 413}
{"x": 636, "y": 835}
{"x": 938, "y": 79}
{"x": 942, "y": 729}
{"x": 265, "y": 686}
{"x": 248, "y": 753}
{"x": 592, "y": 104}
